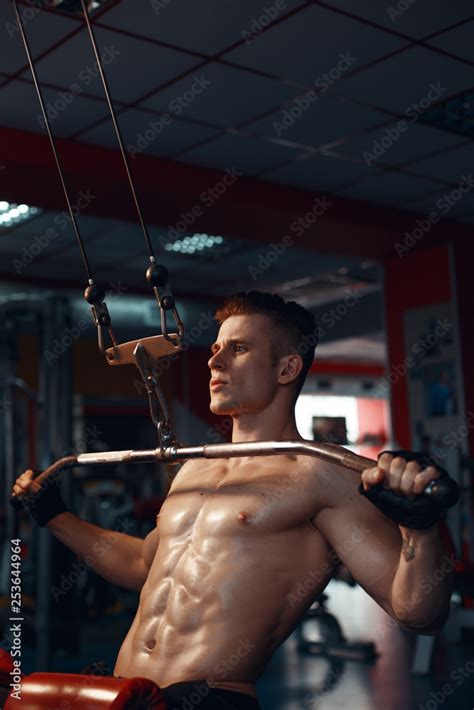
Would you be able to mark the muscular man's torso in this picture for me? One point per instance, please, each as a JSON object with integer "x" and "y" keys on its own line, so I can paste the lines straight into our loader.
{"x": 228, "y": 579}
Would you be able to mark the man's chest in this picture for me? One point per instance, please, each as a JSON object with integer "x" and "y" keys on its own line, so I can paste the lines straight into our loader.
{"x": 218, "y": 500}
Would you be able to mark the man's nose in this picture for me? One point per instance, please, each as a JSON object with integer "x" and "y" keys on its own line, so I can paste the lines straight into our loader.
{"x": 216, "y": 362}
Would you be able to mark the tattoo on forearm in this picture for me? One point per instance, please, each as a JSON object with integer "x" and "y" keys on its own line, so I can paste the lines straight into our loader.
{"x": 408, "y": 549}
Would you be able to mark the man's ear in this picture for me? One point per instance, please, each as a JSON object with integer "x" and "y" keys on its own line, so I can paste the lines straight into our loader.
{"x": 290, "y": 368}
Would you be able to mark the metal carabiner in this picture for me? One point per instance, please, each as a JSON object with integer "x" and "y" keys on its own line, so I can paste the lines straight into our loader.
{"x": 157, "y": 276}
{"x": 158, "y": 409}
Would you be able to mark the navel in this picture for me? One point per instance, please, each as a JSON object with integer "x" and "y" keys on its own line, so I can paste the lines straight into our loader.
{"x": 150, "y": 644}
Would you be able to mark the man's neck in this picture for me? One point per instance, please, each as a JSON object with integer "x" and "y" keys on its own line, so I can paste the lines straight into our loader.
{"x": 258, "y": 427}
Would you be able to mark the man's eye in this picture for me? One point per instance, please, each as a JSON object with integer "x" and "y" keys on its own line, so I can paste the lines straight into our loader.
{"x": 238, "y": 347}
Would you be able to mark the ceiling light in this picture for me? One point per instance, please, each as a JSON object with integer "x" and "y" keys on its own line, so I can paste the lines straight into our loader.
{"x": 196, "y": 243}
{"x": 12, "y": 213}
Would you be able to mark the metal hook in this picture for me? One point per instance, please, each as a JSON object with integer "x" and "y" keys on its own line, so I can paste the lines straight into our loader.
{"x": 158, "y": 409}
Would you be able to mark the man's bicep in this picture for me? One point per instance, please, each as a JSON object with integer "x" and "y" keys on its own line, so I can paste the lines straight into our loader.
{"x": 366, "y": 541}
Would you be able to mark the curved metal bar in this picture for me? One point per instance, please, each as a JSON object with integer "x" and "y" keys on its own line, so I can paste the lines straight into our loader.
{"x": 445, "y": 491}
{"x": 47, "y": 474}
{"x": 327, "y": 452}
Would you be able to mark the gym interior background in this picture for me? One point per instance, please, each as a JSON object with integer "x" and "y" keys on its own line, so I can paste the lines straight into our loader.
{"x": 319, "y": 150}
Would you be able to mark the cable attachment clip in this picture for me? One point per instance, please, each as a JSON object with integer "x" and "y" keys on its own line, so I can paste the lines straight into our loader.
{"x": 157, "y": 277}
{"x": 158, "y": 409}
{"x": 95, "y": 295}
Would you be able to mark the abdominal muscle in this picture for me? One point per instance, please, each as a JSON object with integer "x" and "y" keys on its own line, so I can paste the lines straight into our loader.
{"x": 216, "y": 607}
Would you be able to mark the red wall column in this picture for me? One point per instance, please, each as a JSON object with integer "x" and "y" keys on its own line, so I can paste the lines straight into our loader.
{"x": 417, "y": 279}
{"x": 463, "y": 262}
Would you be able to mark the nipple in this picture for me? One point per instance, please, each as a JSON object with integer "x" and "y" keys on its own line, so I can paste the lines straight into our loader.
{"x": 244, "y": 518}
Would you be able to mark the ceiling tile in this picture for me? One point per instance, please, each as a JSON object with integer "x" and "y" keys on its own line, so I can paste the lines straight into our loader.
{"x": 417, "y": 19}
{"x": 315, "y": 124}
{"x": 447, "y": 204}
{"x": 320, "y": 173}
{"x": 91, "y": 224}
{"x": 53, "y": 271}
{"x": 43, "y": 29}
{"x": 458, "y": 41}
{"x": 211, "y": 270}
{"x": 34, "y": 242}
{"x": 221, "y": 95}
{"x": 202, "y": 27}
{"x": 74, "y": 64}
{"x": 211, "y": 274}
{"x": 293, "y": 263}
{"x": 248, "y": 155}
{"x": 333, "y": 36}
{"x": 39, "y": 224}
{"x": 106, "y": 250}
{"x": 451, "y": 166}
{"x": 54, "y": 233}
{"x": 391, "y": 146}
{"x": 12, "y": 243}
{"x": 145, "y": 133}
{"x": 401, "y": 82}
{"x": 48, "y": 224}
{"x": 67, "y": 112}
{"x": 388, "y": 188}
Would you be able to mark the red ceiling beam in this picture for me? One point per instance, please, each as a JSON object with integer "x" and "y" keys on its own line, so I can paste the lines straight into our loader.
{"x": 249, "y": 209}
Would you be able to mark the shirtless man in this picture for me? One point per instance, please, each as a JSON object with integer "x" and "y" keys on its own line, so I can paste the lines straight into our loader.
{"x": 236, "y": 538}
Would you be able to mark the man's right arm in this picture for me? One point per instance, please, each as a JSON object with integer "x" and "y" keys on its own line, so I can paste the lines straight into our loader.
{"x": 116, "y": 557}
{"x": 121, "y": 559}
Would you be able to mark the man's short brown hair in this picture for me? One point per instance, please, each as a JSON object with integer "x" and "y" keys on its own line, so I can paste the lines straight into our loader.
{"x": 297, "y": 324}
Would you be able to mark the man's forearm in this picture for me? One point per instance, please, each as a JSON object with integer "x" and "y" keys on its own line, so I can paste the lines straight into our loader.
{"x": 111, "y": 554}
{"x": 422, "y": 585}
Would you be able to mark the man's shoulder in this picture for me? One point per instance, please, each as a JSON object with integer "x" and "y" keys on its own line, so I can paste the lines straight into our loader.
{"x": 334, "y": 484}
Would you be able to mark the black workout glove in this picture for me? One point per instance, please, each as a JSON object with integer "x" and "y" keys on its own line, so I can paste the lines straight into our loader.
{"x": 45, "y": 504}
{"x": 417, "y": 513}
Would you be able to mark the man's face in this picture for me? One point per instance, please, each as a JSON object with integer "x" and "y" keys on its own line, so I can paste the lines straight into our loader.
{"x": 244, "y": 375}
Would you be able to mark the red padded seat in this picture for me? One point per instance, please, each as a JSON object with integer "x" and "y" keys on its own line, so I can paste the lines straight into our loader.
{"x": 68, "y": 691}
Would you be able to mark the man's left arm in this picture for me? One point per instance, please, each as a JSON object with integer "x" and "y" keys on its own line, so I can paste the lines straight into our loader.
{"x": 406, "y": 571}
{"x": 422, "y": 585}
{"x": 421, "y": 589}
